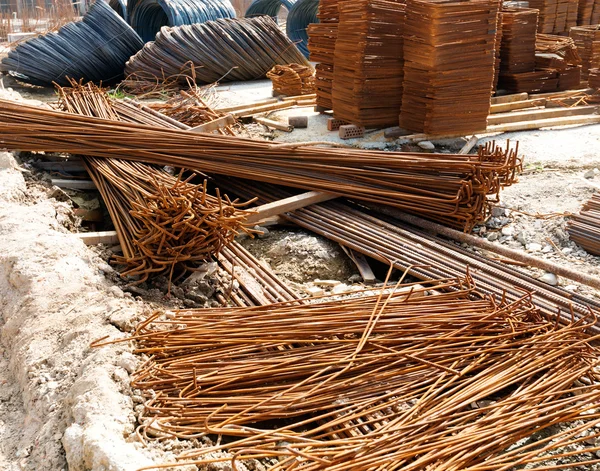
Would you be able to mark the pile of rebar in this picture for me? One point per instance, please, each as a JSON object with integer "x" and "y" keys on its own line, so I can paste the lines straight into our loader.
{"x": 292, "y": 80}
{"x": 222, "y": 50}
{"x": 321, "y": 44}
{"x": 584, "y": 228}
{"x": 93, "y": 49}
{"x": 556, "y": 16}
{"x": 422, "y": 254}
{"x": 166, "y": 224}
{"x": 147, "y": 17}
{"x": 589, "y": 12}
{"x": 451, "y": 188}
{"x": 587, "y": 40}
{"x": 369, "y": 65}
{"x": 189, "y": 108}
{"x": 449, "y": 56}
{"x": 398, "y": 379}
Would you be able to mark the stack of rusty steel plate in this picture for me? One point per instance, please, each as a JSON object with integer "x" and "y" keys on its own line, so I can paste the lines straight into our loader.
{"x": 587, "y": 40}
{"x": 584, "y": 228}
{"x": 559, "y": 53}
{"x": 589, "y": 12}
{"x": 321, "y": 44}
{"x": 517, "y": 50}
{"x": 556, "y": 16}
{"x": 498, "y": 59}
{"x": 449, "y": 53}
{"x": 539, "y": 81}
{"x": 594, "y": 78}
{"x": 368, "y": 75}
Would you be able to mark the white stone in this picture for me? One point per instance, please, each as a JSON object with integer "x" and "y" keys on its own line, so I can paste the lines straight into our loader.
{"x": 314, "y": 291}
{"x": 589, "y": 174}
{"x": 339, "y": 289}
{"x": 116, "y": 291}
{"x": 327, "y": 283}
{"x": 426, "y": 145}
{"x": 508, "y": 231}
{"x": 492, "y": 236}
{"x": 549, "y": 278}
{"x": 534, "y": 247}
{"x": 567, "y": 250}
{"x": 547, "y": 249}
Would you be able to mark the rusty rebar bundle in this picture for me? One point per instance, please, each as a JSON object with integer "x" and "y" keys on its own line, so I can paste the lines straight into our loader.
{"x": 452, "y": 189}
{"x": 165, "y": 223}
{"x": 584, "y": 228}
{"x": 292, "y": 79}
{"x": 413, "y": 377}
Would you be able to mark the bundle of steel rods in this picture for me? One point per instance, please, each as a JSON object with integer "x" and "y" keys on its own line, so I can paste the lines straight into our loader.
{"x": 584, "y": 228}
{"x": 222, "y": 50}
{"x": 413, "y": 377}
{"x": 94, "y": 49}
{"x": 449, "y": 58}
{"x": 321, "y": 44}
{"x": 165, "y": 224}
{"x": 147, "y": 17}
{"x": 422, "y": 254}
{"x": 292, "y": 80}
{"x": 369, "y": 64}
{"x": 453, "y": 189}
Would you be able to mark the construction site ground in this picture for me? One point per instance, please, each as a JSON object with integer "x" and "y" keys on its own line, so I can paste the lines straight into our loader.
{"x": 65, "y": 405}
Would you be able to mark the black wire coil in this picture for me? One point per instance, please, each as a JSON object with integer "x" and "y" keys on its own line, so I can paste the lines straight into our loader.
{"x": 93, "y": 49}
{"x": 303, "y": 13}
{"x": 146, "y": 17}
{"x": 268, "y": 7}
{"x": 120, "y": 6}
{"x": 222, "y": 50}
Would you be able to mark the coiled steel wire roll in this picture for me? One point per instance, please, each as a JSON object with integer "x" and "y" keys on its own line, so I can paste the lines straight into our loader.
{"x": 94, "y": 49}
{"x": 120, "y": 6}
{"x": 268, "y": 7}
{"x": 221, "y": 50}
{"x": 146, "y": 17}
{"x": 303, "y": 13}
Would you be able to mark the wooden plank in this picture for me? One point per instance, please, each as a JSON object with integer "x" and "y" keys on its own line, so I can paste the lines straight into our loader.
{"x": 517, "y": 105}
{"x": 215, "y": 124}
{"x": 274, "y": 124}
{"x": 289, "y": 204}
{"x": 229, "y": 109}
{"x": 74, "y": 184}
{"x": 264, "y": 109}
{"x": 544, "y": 123}
{"x": 564, "y": 94}
{"x": 94, "y": 238}
{"x": 469, "y": 145}
{"x": 362, "y": 264}
{"x": 509, "y": 98}
{"x": 534, "y": 115}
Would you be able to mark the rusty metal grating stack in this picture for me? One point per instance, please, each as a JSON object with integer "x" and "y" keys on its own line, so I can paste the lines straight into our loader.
{"x": 589, "y": 12}
{"x": 594, "y": 78}
{"x": 584, "y": 228}
{"x": 322, "y": 37}
{"x": 517, "y": 50}
{"x": 587, "y": 40}
{"x": 556, "y": 16}
{"x": 449, "y": 53}
{"x": 368, "y": 75}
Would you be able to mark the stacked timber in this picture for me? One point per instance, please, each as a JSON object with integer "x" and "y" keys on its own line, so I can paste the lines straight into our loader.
{"x": 368, "y": 75}
{"x": 556, "y": 16}
{"x": 589, "y": 12}
{"x": 322, "y": 37}
{"x": 587, "y": 40}
{"x": 449, "y": 53}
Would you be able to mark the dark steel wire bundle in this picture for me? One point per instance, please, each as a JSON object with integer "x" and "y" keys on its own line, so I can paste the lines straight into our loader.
{"x": 302, "y": 14}
{"x": 222, "y": 50}
{"x": 147, "y": 17}
{"x": 268, "y": 7}
{"x": 94, "y": 49}
{"x": 120, "y": 6}
{"x": 423, "y": 255}
{"x": 451, "y": 188}
{"x": 584, "y": 228}
{"x": 395, "y": 380}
